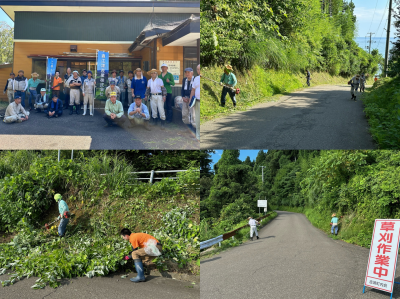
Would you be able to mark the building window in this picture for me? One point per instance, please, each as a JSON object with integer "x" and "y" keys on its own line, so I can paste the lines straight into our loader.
{"x": 190, "y": 58}
{"x": 126, "y": 66}
{"x": 39, "y": 66}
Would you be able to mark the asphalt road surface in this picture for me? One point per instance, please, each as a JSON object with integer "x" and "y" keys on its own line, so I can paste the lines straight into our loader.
{"x": 292, "y": 259}
{"x": 112, "y": 286}
{"x": 321, "y": 117}
{"x": 88, "y": 132}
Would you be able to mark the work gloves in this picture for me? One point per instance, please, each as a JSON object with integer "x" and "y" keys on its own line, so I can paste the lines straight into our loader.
{"x": 220, "y": 83}
{"x": 128, "y": 257}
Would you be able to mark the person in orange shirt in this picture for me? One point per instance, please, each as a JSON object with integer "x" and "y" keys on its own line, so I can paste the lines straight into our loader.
{"x": 56, "y": 84}
{"x": 376, "y": 78}
{"x": 144, "y": 246}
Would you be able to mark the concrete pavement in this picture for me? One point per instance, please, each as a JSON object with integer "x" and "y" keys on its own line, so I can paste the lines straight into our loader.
{"x": 292, "y": 259}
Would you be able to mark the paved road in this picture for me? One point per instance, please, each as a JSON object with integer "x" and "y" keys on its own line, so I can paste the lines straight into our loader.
{"x": 108, "y": 287}
{"x": 292, "y": 259}
{"x": 321, "y": 117}
{"x": 88, "y": 132}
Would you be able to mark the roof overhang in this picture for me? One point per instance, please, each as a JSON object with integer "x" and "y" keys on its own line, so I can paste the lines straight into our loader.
{"x": 185, "y": 34}
{"x": 10, "y": 7}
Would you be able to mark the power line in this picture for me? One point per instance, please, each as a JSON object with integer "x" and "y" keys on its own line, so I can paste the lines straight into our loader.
{"x": 373, "y": 16}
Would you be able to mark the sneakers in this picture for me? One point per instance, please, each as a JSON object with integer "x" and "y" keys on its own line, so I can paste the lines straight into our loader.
{"x": 258, "y": 238}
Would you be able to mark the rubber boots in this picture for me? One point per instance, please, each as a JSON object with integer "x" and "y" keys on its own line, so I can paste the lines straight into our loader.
{"x": 71, "y": 109}
{"x": 140, "y": 271}
{"x": 77, "y": 109}
{"x": 258, "y": 238}
{"x": 84, "y": 109}
{"x": 91, "y": 109}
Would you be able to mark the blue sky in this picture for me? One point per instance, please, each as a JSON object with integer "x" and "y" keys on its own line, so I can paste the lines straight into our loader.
{"x": 243, "y": 155}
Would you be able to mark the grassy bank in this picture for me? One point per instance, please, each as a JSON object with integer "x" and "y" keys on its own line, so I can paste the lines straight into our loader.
{"x": 382, "y": 107}
{"x": 256, "y": 86}
{"x": 240, "y": 237}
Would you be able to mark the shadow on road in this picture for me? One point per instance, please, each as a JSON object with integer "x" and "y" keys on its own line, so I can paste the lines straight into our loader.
{"x": 210, "y": 260}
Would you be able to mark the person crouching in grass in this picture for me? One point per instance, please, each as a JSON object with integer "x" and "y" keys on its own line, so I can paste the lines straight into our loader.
{"x": 144, "y": 246}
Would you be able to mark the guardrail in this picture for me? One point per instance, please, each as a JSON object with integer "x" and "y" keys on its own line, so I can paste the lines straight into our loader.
{"x": 213, "y": 241}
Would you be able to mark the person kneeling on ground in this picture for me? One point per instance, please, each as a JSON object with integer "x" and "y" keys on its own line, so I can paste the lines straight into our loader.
{"x": 55, "y": 108}
{"x": 144, "y": 247}
{"x": 334, "y": 223}
{"x": 15, "y": 112}
{"x": 138, "y": 113}
{"x": 62, "y": 208}
{"x": 41, "y": 101}
{"x": 253, "y": 227}
{"x": 114, "y": 112}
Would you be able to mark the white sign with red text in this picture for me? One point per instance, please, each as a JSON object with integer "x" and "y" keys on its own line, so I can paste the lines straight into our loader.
{"x": 383, "y": 255}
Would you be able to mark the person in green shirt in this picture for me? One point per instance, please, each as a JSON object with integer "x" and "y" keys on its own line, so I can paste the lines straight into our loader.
{"x": 114, "y": 112}
{"x": 32, "y": 85}
{"x": 228, "y": 80}
{"x": 334, "y": 223}
{"x": 169, "y": 81}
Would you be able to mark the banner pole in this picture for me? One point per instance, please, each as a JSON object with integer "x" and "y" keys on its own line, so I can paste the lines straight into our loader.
{"x": 47, "y": 63}
{"x": 95, "y": 79}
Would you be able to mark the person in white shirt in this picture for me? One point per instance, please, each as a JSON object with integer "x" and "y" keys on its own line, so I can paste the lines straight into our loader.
{"x": 158, "y": 93}
{"x": 196, "y": 93}
{"x": 88, "y": 93}
{"x": 15, "y": 112}
{"x": 74, "y": 83}
{"x": 253, "y": 227}
{"x": 354, "y": 82}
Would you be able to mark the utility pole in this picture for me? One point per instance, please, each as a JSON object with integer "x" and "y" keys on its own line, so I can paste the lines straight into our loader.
{"x": 387, "y": 39}
{"x": 370, "y": 41}
{"x": 262, "y": 167}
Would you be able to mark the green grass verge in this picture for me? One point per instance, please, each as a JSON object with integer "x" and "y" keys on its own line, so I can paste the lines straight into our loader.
{"x": 240, "y": 237}
{"x": 256, "y": 86}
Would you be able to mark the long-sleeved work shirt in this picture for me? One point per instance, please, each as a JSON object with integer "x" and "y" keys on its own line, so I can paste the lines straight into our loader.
{"x": 114, "y": 108}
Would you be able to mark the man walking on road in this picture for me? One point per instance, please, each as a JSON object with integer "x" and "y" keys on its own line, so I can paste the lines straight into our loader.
{"x": 308, "y": 77}
{"x": 334, "y": 223}
{"x": 362, "y": 82}
{"x": 354, "y": 82}
{"x": 253, "y": 227}
{"x": 62, "y": 208}
{"x": 228, "y": 79}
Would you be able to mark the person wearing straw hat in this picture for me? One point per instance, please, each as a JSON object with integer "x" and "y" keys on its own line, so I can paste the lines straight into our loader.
{"x": 114, "y": 112}
{"x": 187, "y": 112}
{"x": 168, "y": 80}
{"x": 32, "y": 86}
{"x": 354, "y": 82}
{"x": 41, "y": 101}
{"x": 15, "y": 112}
{"x": 20, "y": 84}
{"x": 138, "y": 113}
{"x": 156, "y": 90}
{"x": 253, "y": 227}
{"x": 9, "y": 88}
{"x": 228, "y": 79}
{"x": 55, "y": 107}
{"x": 138, "y": 86}
{"x": 196, "y": 93}
{"x": 62, "y": 208}
{"x": 112, "y": 88}
{"x": 74, "y": 83}
{"x": 88, "y": 93}
{"x": 334, "y": 223}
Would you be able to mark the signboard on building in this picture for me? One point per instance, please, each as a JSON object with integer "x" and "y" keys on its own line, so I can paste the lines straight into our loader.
{"x": 102, "y": 75}
{"x": 50, "y": 70}
{"x": 262, "y": 203}
{"x": 174, "y": 67}
{"x": 383, "y": 255}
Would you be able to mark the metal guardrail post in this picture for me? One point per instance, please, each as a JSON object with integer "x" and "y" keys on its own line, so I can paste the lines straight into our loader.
{"x": 59, "y": 155}
{"x": 151, "y": 177}
{"x": 72, "y": 155}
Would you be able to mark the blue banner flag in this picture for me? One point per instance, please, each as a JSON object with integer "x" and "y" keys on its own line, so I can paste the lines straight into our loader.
{"x": 51, "y": 70}
{"x": 102, "y": 75}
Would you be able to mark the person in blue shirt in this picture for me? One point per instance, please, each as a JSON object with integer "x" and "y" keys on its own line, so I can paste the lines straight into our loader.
{"x": 139, "y": 85}
{"x": 55, "y": 107}
{"x": 138, "y": 113}
{"x": 228, "y": 81}
{"x": 334, "y": 223}
{"x": 62, "y": 207}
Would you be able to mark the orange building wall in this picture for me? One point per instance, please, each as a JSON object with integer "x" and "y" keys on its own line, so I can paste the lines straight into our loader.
{"x": 4, "y": 75}
{"x": 170, "y": 53}
{"x": 145, "y": 54}
{"x": 23, "y": 50}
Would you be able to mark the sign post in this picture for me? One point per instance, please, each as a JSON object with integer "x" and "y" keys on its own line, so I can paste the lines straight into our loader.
{"x": 102, "y": 71}
{"x": 383, "y": 255}
{"x": 174, "y": 67}
{"x": 261, "y": 204}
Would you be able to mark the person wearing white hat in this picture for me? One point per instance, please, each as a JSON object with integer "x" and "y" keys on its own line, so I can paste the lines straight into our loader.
{"x": 41, "y": 101}
{"x": 354, "y": 82}
{"x": 88, "y": 93}
{"x": 157, "y": 92}
{"x": 253, "y": 227}
{"x": 168, "y": 80}
{"x": 74, "y": 83}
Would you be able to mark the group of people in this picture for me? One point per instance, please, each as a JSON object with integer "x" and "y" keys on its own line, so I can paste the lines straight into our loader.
{"x": 147, "y": 100}
{"x": 145, "y": 247}
{"x": 357, "y": 82}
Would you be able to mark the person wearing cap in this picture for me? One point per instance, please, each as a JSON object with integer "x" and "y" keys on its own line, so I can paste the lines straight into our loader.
{"x": 168, "y": 80}
{"x": 88, "y": 93}
{"x": 55, "y": 107}
{"x": 32, "y": 86}
{"x": 228, "y": 79}
{"x": 253, "y": 227}
{"x": 83, "y": 78}
{"x": 129, "y": 87}
{"x": 334, "y": 223}
{"x": 196, "y": 93}
{"x": 20, "y": 84}
{"x": 62, "y": 208}
{"x": 9, "y": 88}
{"x": 157, "y": 91}
{"x": 138, "y": 113}
{"x": 67, "y": 89}
{"x": 114, "y": 112}
{"x": 74, "y": 83}
{"x": 113, "y": 78}
{"x": 41, "y": 101}
{"x": 112, "y": 88}
{"x": 121, "y": 83}
{"x": 187, "y": 112}
{"x": 57, "y": 82}
{"x": 354, "y": 82}
{"x": 139, "y": 85}
{"x": 15, "y": 112}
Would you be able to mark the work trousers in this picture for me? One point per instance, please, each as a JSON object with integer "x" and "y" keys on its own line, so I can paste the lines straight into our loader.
{"x": 197, "y": 118}
{"x": 10, "y": 95}
{"x": 74, "y": 97}
{"x": 67, "y": 95}
{"x": 59, "y": 113}
{"x": 62, "y": 227}
{"x": 168, "y": 107}
{"x": 32, "y": 97}
{"x": 308, "y": 81}
{"x": 40, "y": 107}
{"x": 13, "y": 118}
{"x": 118, "y": 121}
{"x": 253, "y": 229}
{"x": 353, "y": 89}
{"x": 130, "y": 98}
{"x": 232, "y": 94}
{"x": 157, "y": 103}
{"x": 141, "y": 254}
{"x": 188, "y": 114}
{"x": 89, "y": 97}
{"x": 334, "y": 227}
